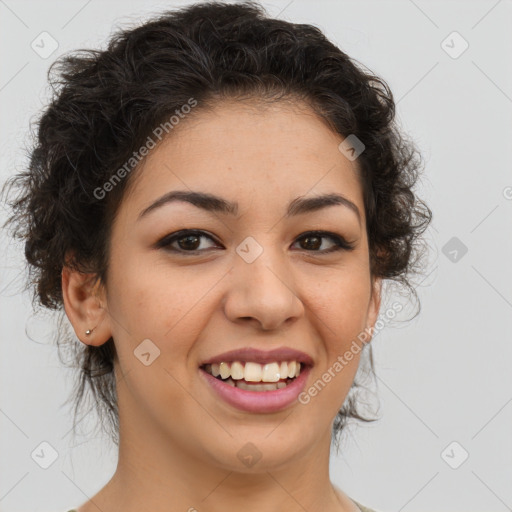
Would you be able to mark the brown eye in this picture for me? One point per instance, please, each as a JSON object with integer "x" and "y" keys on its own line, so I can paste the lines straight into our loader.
{"x": 189, "y": 242}
{"x": 313, "y": 241}
{"x": 184, "y": 241}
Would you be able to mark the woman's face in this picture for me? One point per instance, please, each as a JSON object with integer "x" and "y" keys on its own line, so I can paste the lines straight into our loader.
{"x": 249, "y": 280}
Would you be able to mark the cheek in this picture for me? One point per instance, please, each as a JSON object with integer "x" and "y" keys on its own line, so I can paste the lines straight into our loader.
{"x": 341, "y": 302}
{"x": 341, "y": 321}
{"x": 148, "y": 302}
{"x": 342, "y": 316}
{"x": 153, "y": 302}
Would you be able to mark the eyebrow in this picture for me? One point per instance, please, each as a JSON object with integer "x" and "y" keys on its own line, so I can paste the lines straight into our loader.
{"x": 212, "y": 203}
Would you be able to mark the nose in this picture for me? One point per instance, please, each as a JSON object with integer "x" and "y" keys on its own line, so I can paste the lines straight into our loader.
{"x": 263, "y": 292}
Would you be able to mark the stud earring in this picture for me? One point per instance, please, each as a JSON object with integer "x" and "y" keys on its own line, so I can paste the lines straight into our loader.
{"x": 88, "y": 332}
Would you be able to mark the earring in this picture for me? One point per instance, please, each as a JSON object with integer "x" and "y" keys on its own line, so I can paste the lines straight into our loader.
{"x": 88, "y": 332}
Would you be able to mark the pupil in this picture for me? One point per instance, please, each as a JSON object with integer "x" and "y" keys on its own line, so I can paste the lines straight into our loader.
{"x": 312, "y": 246}
{"x": 194, "y": 238}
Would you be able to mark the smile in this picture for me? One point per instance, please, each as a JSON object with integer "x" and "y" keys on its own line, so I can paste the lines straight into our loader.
{"x": 253, "y": 376}
{"x": 255, "y": 387}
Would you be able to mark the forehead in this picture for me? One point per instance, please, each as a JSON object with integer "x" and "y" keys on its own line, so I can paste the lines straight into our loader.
{"x": 249, "y": 151}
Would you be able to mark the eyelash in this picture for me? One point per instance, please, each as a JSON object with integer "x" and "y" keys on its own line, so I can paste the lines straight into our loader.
{"x": 166, "y": 241}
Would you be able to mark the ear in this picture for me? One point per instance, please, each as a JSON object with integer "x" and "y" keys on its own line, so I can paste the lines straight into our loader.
{"x": 373, "y": 307}
{"x": 85, "y": 305}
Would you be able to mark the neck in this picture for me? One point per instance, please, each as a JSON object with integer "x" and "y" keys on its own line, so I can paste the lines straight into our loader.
{"x": 154, "y": 474}
{"x": 161, "y": 472}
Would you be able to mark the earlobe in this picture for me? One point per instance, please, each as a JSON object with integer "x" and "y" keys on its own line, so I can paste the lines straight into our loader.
{"x": 85, "y": 306}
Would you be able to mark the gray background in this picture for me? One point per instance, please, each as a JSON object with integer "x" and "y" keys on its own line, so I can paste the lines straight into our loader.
{"x": 443, "y": 377}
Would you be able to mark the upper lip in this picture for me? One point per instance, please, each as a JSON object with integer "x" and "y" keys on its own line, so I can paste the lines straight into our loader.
{"x": 261, "y": 356}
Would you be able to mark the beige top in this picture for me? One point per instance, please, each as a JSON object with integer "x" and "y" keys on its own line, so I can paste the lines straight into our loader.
{"x": 344, "y": 498}
{"x": 362, "y": 507}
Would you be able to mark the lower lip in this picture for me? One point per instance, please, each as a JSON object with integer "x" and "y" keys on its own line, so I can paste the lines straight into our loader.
{"x": 258, "y": 401}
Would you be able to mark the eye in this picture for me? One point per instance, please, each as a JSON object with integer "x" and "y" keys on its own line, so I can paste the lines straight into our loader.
{"x": 188, "y": 240}
{"x": 313, "y": 240}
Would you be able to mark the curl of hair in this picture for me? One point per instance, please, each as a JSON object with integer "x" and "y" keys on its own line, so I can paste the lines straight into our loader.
{"x": 106, "y": 103}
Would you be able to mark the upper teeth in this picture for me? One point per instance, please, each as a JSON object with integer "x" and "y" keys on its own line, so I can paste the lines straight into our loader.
{"x": 255, "y": 372}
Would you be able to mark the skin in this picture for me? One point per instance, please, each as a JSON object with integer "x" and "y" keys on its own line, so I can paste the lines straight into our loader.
{"x": 178, "y": 441}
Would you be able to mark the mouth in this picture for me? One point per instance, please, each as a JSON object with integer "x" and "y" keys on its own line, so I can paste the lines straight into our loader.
{"x": 255, "y": 377}
{"x": 256, "y": 388}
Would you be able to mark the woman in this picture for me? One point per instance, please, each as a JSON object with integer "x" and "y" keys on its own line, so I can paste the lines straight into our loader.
{"x": 215, "y": 201}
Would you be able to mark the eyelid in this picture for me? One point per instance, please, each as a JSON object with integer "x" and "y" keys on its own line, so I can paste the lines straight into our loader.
{"x": 166, "y": 241}
{"x": 340, "y": 242}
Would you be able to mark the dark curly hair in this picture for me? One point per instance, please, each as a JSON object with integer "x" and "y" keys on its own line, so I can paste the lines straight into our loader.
{"x": 106, "y": 103}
